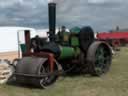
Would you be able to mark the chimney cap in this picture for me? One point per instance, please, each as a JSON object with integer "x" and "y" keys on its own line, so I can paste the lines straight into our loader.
{"x": 51, "y": 1}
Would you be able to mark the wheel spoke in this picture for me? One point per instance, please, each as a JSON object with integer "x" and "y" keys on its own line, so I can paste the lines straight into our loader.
{"x": 46, "y": 81}
{"x": 100, "y": 53}
{"x": 102, "y": 59}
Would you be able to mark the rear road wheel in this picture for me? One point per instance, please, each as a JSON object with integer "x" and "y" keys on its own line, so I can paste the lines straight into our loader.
{"x": 99, "y": 56}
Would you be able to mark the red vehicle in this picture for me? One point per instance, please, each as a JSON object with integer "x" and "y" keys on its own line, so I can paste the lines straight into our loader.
{"x": 115, "y": 39}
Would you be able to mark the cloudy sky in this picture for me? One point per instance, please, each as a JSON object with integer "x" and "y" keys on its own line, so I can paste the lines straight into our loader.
{"x": 102, "y": 15}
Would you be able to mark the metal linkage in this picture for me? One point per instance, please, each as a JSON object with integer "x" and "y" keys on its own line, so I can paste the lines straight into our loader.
{"x": 50, "y": 57}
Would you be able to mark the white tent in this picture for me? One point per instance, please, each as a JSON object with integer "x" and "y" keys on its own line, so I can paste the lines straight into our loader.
{"x": 8, "y": 37}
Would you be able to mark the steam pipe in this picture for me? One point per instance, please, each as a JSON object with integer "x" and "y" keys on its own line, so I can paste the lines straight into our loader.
{"x": 52, "y": 20}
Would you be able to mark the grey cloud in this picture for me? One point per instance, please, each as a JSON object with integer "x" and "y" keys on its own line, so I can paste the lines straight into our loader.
{"x": 31, "y": 13}
{"x": 102, "y": 15}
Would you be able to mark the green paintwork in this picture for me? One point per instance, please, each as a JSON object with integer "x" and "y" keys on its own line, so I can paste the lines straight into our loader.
{"x": 74, "y": 36}
{"x": 74, "y": 41}
{"x": 67, "y": 52}
{"x": 23, "y": 48}
{"x": 75, "y": 30}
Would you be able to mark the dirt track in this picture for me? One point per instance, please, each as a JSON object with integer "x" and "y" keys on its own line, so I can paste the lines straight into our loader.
{"x": 9, "y": 55}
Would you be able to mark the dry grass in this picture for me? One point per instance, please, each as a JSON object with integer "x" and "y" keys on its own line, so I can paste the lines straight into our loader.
{"x": 115, "y": 83}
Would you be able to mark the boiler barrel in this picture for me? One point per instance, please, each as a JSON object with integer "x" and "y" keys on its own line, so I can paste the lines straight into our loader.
{"x": 67, "y": 52}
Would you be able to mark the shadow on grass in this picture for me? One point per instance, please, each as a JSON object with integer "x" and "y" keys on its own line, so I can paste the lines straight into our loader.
{"x": 12, "y": 81}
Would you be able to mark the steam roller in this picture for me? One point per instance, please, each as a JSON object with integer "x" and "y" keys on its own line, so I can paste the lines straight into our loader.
{"x": 65, "y": 52}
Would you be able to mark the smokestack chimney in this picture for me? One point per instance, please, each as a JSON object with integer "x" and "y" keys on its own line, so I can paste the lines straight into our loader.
{"x": 52, "y": 20}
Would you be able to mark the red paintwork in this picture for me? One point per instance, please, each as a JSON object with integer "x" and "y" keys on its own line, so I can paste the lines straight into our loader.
{"x": 50, "y": 56}
{"x": 113, "y": 35}
{"x": 27, "y": 40}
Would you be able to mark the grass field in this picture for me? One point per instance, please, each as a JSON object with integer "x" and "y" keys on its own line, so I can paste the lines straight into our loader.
{"x": 115, "y": 83}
